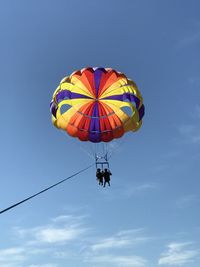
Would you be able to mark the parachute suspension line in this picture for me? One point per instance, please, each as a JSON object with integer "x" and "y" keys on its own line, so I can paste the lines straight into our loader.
{"x": 90, "y": 154}
{"x": 44, "y": 190}
{"x": 103, "y": 150}
{"x": 116, "y": 146}
{"x": 101, "y": 156}
{"x": 96, "y": 150}
{"x": 106, "y": 151}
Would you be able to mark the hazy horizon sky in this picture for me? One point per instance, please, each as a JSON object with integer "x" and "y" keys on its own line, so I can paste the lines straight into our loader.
{"x": 149, "y": 217}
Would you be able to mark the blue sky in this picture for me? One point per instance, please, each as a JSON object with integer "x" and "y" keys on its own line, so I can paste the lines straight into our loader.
{"x": 150, "y": 214}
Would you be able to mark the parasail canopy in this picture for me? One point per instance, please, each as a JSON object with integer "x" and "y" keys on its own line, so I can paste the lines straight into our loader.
{"x": 97, "y": 105}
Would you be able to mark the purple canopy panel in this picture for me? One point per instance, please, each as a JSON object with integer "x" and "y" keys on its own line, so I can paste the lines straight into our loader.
{"x": 97, "y": 78}
{"x": 123, "y": 97}
{"x": 141, "y": 112}
{"x": 94, "y": 131}
{"x": 66, "y": 94}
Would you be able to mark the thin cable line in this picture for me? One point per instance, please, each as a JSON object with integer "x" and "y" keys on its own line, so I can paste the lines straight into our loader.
{"x": 44, "y": 190}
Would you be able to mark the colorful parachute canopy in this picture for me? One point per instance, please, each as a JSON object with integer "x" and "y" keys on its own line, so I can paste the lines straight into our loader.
{"x": 97, "y": 105}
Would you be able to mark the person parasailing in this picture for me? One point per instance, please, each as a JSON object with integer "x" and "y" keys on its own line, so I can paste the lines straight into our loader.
{"x": 99, "y": 175}
{"x": 97, "y": 105}
{"x": 106, "y": 176}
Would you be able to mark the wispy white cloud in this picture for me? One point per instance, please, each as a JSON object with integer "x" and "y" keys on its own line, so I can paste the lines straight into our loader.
{"x": 134, "y": 190}
{"x": 49, "y": 239}
{"x": 186, "y": 129}
{"x": 116, "y": 250}
{"x": 69, "y": 219}
{"x": 43, "y": 265}
{"x": 130, "y": 190}
{"x": 12, "y": 257}
{"x": 16, "y": 253}
{"x": 178, "y": 253}
{"x": 63, "y": 254}
{"x": 187, "y": 201}
{"x": 58, "y": 235}
{"x": 146, "y": 187}
{"x": 190, "y": 39}
{"x": 194, "y": 81}
{"x": 11, "y": 264}
{"x": 17, "y": 256}
{"x": 66, "y": 237}
{"x": 111, "y": 243}
{"x": 64, "y": 218}
{"x": 197, "y": 109}
{"x": 122, "y": 239}
{"x": 61, "y": 230}
{"x": 191, "y": 34}
{"x": 159, "y": 168}
{"x": 119, "y": 261}
{"x": 190, "y": 133}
